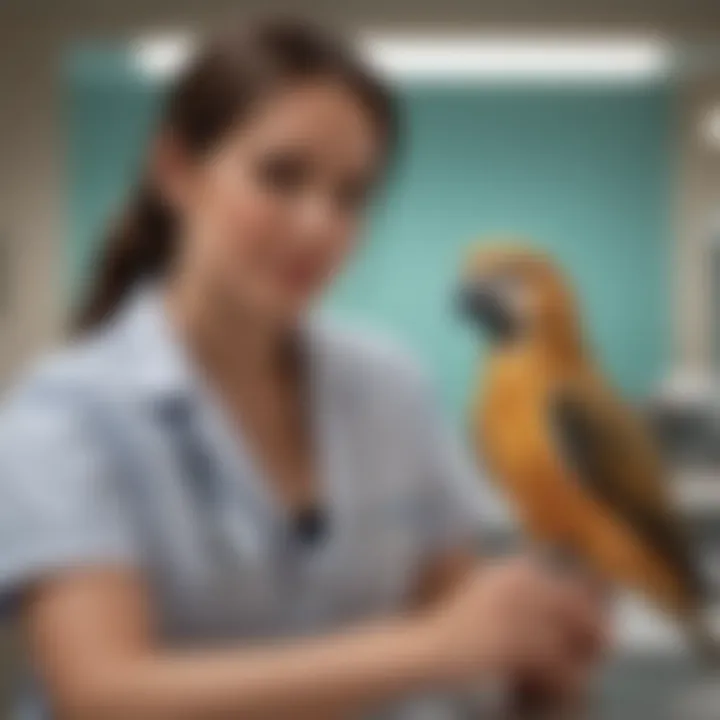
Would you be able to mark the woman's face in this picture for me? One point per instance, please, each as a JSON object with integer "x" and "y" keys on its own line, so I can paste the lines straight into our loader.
{"x": 272, "y": 214}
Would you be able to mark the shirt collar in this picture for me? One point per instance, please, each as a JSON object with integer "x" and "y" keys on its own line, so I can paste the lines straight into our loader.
{"x": 161, "y": 369}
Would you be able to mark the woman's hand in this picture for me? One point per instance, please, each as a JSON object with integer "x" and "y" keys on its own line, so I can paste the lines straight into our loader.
{"x": 519, "y": 621}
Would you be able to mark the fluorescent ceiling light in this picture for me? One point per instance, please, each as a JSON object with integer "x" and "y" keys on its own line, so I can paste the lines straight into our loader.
{"x": 475, "y": 58}
{"x": 161, "y": 57}
{"x": 535, "y": 58}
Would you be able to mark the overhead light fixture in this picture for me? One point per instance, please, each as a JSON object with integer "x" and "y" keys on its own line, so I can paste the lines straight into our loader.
{"x": 494, "y": 58}
{"x": 160, "y": 57}
{"x": 480, "y": 58}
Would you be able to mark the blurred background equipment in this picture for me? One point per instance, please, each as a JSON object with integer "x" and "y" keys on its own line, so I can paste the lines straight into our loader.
{"x": 591, "y": 127}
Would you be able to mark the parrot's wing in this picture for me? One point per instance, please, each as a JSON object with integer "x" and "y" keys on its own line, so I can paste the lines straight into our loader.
{"x": 611, "y": 454}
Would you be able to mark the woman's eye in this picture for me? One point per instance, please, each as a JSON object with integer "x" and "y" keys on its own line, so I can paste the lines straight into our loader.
{"x": 284, "y": 174}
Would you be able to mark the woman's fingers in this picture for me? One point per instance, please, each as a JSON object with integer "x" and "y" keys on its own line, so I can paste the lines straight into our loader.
{"x": 570, "y": 633}
{"x": 588, "y": 620}
{"x": 521, "y": 620}
{"x": 579, "y": 603}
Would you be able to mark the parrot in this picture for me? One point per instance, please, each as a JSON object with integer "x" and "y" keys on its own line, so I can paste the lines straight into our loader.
{"x": 576, "y": 462}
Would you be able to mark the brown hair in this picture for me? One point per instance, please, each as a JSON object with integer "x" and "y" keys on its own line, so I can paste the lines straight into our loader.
{"x": 216, "y": 90}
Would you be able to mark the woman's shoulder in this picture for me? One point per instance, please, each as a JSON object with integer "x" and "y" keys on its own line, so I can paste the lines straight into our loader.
{"x": 44, "y": 416}
{"x": 83, "y": 368}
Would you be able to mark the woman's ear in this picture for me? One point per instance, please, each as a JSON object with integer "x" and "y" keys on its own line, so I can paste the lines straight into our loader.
{"x": 171, "y": 171}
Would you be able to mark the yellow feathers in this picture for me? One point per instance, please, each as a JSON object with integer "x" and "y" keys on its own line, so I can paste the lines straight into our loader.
{"x": 579, "y": 467}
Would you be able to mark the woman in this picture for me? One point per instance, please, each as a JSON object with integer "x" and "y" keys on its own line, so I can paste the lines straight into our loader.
{"x": 212, "y": 507}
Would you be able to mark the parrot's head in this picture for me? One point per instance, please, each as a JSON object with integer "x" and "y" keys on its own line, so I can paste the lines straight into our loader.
{"x": 517, "y": 294}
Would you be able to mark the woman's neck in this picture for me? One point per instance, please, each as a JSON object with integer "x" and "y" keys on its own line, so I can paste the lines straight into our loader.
{"x": 233, "y": 347}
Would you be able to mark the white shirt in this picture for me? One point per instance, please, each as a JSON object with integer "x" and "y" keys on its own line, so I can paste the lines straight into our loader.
{"x": 114, "y": 452}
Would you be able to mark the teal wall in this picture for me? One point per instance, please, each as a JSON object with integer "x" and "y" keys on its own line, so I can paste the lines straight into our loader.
{"x": 585, "y": 173}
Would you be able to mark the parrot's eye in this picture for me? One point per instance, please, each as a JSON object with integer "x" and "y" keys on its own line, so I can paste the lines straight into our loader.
{"x": 495, "y": 303}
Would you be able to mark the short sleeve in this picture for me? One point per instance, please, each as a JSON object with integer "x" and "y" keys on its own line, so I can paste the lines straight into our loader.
{"x": 456, "y": 500}
{"x": 59, "y": 501}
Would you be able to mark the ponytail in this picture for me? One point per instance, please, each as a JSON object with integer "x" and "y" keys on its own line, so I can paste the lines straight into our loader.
{"x": 139, "y": 247}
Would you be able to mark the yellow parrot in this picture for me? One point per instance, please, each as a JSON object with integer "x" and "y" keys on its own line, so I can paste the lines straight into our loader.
{"x": 579, "y": 467}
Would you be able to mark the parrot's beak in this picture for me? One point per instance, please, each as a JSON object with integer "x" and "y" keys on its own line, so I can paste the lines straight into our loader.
{"x": 484, "y": 305}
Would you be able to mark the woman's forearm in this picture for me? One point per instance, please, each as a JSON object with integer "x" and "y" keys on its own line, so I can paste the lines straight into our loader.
{"x": 94, "y": 649}
{"x": 319, "y": 678}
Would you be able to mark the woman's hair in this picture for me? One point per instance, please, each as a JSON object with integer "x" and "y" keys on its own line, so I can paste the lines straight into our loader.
{"x": 216, "y": 90}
